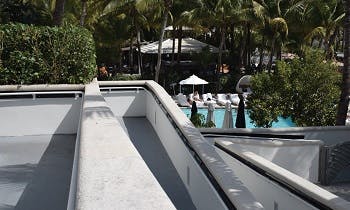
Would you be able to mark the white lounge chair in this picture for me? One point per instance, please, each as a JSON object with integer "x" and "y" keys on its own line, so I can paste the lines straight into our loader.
{"x": 210, "y": 96}
{"x": 205, "y": 97}
{"x": 182, "y": 100}
{"x": 234, "y": 99}
{"x": 222, "y": 99}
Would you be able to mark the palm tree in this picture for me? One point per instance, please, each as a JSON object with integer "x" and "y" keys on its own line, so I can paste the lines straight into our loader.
{"x": 345, "y": 91}
{"x": 167, "y": 4}
{"x": 217, "y": 15}
{"x": 330, "y": 15}
{"x": 132, "y": 11}
{"x": 275, "y": 25}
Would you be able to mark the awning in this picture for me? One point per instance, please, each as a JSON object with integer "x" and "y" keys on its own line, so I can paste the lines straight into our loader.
{"x": 188, "y": 45}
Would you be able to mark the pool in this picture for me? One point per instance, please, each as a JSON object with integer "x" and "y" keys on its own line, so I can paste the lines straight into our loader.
{"x": 219, "y": 118}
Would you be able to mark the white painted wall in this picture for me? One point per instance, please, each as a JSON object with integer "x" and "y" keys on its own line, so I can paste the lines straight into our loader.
{"x": 143, "y": 104}
{"x": 297, "y": 156}
{"x": 202, "y": 193}
{"x": 129, "y": 103}
{"x": 25, "y": 116}
{"x": 269, "y": 194}
{"x": 330, "y": 135}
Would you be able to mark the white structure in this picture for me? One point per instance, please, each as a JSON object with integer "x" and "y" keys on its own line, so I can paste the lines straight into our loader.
{"x": 127, "y": 145}
{"x": 193, "y": 80}
{"x": 188, "y": 45}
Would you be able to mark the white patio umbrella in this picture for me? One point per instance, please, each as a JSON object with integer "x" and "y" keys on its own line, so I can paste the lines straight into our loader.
{"x": 228, "y": 120}
{"x": 193, "y": 80}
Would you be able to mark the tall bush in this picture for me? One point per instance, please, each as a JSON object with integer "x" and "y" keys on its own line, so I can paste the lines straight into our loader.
{"x": 40, "y": 55}
{"x": 305, "y": 89}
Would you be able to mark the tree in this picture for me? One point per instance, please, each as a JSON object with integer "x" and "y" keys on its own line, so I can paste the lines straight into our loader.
{"x": 167, "y": 4}
{"x": 305, "y": 89}
{"x": 345, "y": 88}
{"x": 83, "y": 12}
{"x": 58, "y": 13}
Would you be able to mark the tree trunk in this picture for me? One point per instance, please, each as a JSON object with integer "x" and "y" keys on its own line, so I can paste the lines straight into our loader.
{"x": 131, "y": 56}
{"x": 269, "y": 66}
{"x": 159, "y": 60}
{"x": 248, "y": 48}
{"x": 179, "y": 44}
{"x": 139, "y": 55}
{"x": 345, "y": 91}
{"x": 330, "y": 49}
{"x": 221, "y": 48}
{"x": 173, "y": 47}
{"x": 261, "y": 54}
{"x": 83, "y": 12}
{"x": 241, "y": 53}
{"x": 58, "y": 13}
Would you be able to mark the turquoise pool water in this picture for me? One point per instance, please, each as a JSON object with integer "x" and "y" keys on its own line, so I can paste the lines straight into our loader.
{"x": 219, "y": 118}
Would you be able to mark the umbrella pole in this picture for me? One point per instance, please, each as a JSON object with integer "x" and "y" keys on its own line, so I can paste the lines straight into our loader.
{"x": 193, "y": 88}
{"x": 180, "y": 89}
{"x": 202, "y": 89}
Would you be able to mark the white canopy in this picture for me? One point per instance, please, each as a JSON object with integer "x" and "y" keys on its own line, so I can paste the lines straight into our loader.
{"x": 188, "y": 45}
{"x": 193, "y": 80}
{"x": 184, "y": 28}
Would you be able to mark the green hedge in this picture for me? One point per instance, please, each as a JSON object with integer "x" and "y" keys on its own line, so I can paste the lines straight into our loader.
{"x": 41, "y": 55}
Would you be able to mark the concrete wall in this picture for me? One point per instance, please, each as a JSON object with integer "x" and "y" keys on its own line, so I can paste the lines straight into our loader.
{"x": 202, "y": 193}
{"x": 224, "y": 176}
{"x": 329, "y": 135}
{"x": 112, "y": 174}
{"x": 129, "y": 103}
{"x": 269, "y": 192}
{"x": 141, "y": 103}
{"x": 297, "y": 156}
{"x": 27, "y": 116}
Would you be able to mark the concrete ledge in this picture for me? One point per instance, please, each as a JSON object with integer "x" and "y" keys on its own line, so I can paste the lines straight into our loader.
{"x": 328, "y": 134}
{"x": 47, "y": 87}
{"x": 238, "y": 194}
{"x": 270, "y": 142}
{"x": 318, "y": 193}
{"x": 111, "y": 173}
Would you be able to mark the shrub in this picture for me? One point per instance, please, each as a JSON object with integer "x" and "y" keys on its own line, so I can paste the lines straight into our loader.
{"x": 39, "y": 55}
{"x": 198, "y": 120}
{"x": 306, "y": 89}
{"x": 120, "y": 76}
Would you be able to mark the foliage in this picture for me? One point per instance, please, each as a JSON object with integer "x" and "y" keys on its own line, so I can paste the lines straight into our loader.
{"x": 198, "y": 120}
{"x": 209, "y": 124}
{"x": 34, "y": 55}
{"x": 228, "y": 81}
{"x": 120, "y": 76}
{"x": 23, "y": 12}
{"x": 305, "y": 89}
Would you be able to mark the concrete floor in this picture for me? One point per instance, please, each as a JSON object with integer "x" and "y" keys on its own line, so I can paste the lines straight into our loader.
{"x": 35, "y": 171}
{"x": 152, "y": 151}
